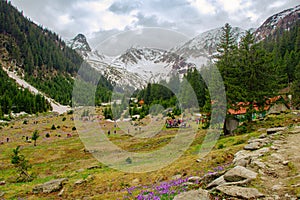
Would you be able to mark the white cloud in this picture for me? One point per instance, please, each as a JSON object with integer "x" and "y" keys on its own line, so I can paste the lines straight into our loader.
{"x": 99, "y": 17}
{"x": 68, "y": 18}
{"x": 203, "y": 6}
{"x": 277, "y": 4}
{"x": 65, "y": 19}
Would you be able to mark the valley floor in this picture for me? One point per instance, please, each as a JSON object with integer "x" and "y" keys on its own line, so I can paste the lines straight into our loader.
{"x": 62, "y": 155}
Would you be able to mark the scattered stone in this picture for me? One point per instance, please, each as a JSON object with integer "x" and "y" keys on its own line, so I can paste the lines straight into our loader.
{"x": 94, "y": 167}
{"x": 253, "y": 146}
{"x": 277, "y": 187}
{"x": 194, "y": 179}
{"x": 275, "y": 148}
{"x": 263, "y": 136}
{"x": 286, "y": 162}
{"x": 80, "y": 170}
{"x": 80, "y": 181}
{"x": 217, "y": 182}
{"x": 239, "y": 173}
{"x": 188, "y": 184}
{"x": 275, "y": 130}
{"x": 61, "y": 192}
{"x": 2, "y": 182}
{"x": 244, "y": 157}
{"x": 259, "y": 164}
{"x": 193, "y": 195}
{"x": 296, "y": 131}
{"x": 240, "y": 192}
{"x": 50, "y": 186}
{"x": 90, "y": 178}
{"x": 177, "y": 176}
{"x": 241, "y": 158}
{"x": 135, "y": 181}
{"x": 261, "y": 129}
{"x": 209, "y": 177}
{"x": 277, "y": 157}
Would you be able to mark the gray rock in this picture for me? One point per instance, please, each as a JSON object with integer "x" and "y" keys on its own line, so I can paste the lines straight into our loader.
{"x": 80, "y": 170}
{"x": 240, "y": 192}
{"x": 177, "y": 176}
{"x": 263, "y": 135}
{"x": 241, "y": 158}
{"x": 50, "y": 186}
{"x": 261, "y": 129}
{"x": 253, "y": 146}
{"x": 61, "y": 192}
{"x": 209, "y": 177}
{"x": 216, "y": 182}
{"x": 193, "y": 195}
{"x": 286, "y": 162}
{"x": 277, "y": 187}
{"x": 79, "y": 182}
{"x": 275, "y": 130}
{"x": 258, "y": 164}
{"x": 239, "y": 173}
{"x": 296, "y": 131}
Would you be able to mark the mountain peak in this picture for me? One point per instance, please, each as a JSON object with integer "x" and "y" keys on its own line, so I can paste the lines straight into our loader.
{"x": 80, "y": 43}
{"x": 283, "y": 20}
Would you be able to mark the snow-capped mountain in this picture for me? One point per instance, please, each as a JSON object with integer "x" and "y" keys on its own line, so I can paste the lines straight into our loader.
{"x": 79, "y": 43}
{"x": 201, "y": 48}
{"x": 283, "y": 20}
{"x": 151, "y": 64}
{"x": 139, "y": 65}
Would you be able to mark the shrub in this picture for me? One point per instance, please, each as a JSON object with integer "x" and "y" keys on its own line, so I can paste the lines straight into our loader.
{"x": 25, "y": 122}
{"x": 47, "y": 135}
{"x": 21, "y": 165}
{"x": 74, "y": 128}
{"x": 53, "y": 127}
{"x": 64, "y": 119}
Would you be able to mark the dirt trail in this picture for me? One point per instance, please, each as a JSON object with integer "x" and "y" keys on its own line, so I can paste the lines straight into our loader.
{"x": 56, "y": 106}
{"x": 280, "y": 179}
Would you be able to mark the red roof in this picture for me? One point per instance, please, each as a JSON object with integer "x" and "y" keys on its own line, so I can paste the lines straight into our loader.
{"x": 243, "y": 106}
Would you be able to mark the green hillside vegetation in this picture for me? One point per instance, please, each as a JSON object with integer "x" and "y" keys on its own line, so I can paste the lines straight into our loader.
{"x": 47, "y": 63}
{"x": 14, "y": 99}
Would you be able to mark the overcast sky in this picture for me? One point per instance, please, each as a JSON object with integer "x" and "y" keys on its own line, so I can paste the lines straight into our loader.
{"x": 102, "y": 18}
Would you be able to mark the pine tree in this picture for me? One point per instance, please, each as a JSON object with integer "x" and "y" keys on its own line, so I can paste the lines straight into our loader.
{"x": 22, "y": 166}
{"x": 35, "y": 136}
{"x": 226, "y": 63}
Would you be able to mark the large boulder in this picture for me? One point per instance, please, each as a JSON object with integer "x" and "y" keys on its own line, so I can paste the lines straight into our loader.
{"x": 216, "y": 182}
{"x": 239, "y": 173}
{"x": 193, "y": 195}
{"x": 50, "y": 186}
{"x": 275, "y": 130}
{"x": 240, "y": 192}
{"x": 253, "y": 146}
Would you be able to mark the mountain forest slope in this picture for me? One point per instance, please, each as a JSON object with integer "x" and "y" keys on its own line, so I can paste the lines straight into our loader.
{"x": 39, "y": 56}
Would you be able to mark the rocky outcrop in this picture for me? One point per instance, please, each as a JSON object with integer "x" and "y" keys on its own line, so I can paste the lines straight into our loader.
{"x": 49, "y": 187}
